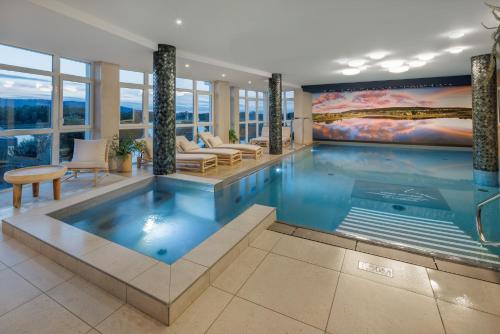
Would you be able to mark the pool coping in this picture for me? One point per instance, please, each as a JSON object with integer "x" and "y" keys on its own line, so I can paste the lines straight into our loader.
{"x": 135, "y": 278}
{"x": 345, "y": 240}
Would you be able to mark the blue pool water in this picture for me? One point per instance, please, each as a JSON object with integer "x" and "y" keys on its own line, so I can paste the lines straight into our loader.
{"x": 417, "y": 198}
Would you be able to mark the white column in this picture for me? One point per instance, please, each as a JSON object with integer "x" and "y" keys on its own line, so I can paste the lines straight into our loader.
{"x": 222, "y": 110}
{"x": 303, "y": 117}
{"x": 106, "y": 100}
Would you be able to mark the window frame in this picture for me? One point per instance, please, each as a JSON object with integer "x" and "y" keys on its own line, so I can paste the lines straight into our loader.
{"x": 247, "y": 120}
{"x": 56, "y": 120}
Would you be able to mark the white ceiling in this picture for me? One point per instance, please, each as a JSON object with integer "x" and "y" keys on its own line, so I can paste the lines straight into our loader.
{"x": 306, "y": 41}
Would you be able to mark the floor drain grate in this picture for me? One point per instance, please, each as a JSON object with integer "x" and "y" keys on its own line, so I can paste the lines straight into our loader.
{"x": 374, "y": 269}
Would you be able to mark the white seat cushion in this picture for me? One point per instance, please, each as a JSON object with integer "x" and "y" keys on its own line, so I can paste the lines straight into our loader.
{"x": 90, "y": 151}
{"x": 188, "y": 146}
{"x": 215, "y": 141}
{"x": 197, "y": 157}
{"x": 86, "y": 165}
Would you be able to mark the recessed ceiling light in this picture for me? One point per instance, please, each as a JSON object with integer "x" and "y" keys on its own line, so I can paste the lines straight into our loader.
{"x": 426, "y": 56}
{"x": 417, "y": 63}
{"x": 399, "y": 69}
{"x": 223, "y": 75}
{"x": 392, "y": 63}
{"x": 457, "y": 34}
{"x": 351, "y": 71}
{"x": 178, "y": 22}
{"x": 249, "y": 82}
{"x": 356, "y": 62}
{"x": 456, "y": 49}
{"x": 187, "y": 65}
{"x": 377, "y": 55}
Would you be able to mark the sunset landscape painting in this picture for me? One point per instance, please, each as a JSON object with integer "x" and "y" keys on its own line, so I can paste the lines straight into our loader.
{"x": 423, "y": 116}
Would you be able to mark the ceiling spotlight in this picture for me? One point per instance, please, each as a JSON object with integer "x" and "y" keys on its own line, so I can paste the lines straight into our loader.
{"x": 356, "y": 62}
{"x": 392, "y": 63}
{"x": 456, "y": 34}
{"x": 351, "y": 71}
{"x": 178, "y": 22}
{"x": 417, "y": 63}
{"x": 187, "y": 65}
{"x": 223, "y": 75}
{"x": 249, "y": 82}
{"x": 456, "y": 49}
{"x": 377, "y": 55}
{"x": 426, "y": 56}
{"x": 399, "y": 69}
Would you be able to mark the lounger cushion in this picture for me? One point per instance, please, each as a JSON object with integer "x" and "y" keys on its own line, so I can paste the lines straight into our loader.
{"x": 241, "y": 147}
{"x": 216, "y": 151}
{"x": 188, "y": 146}
{"x": 187, "y": 156}
{"x": 215, "y": 141}
{"x": 90, "y": 151}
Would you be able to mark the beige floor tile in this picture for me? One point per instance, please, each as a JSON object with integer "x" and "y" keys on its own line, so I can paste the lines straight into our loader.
{"x": 14, "y": 291}
{"x": 404, "y": 275}
{"x": 93, "y": 331}
{"x": 2, "y": 266}
{"x": 266, "y": 240}
{"x": 128, "y": 320}
{"x": 41, "y": 316}
{"x": 363, "y": 306}
{"x": 462, "y": 320}
{"x": 119, "y": 261}
{"x": 155, "y": 281}
{"x": 238, "y": 272}
{"x": 183, "y": 274}
{"x": 200, "y": 315}
{"x": 85, "y": 300}
{"x": 300, "y": 290}
{"x": 42, "y": 272}
{"x": 13, "y": 252}
{"x": 326, "y": 238}
{"x": 242, "y": 316}
{"x": 282, "y": 228}
{"x": 213, "y": 248}
{"x": 465, "y": 270}
{"x": 465, "y": 291}
{"x": 396, "y": 254}
{"x": 310, "y": 251}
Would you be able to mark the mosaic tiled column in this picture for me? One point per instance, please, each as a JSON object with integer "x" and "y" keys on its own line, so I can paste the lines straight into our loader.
{"x": 275, "y": 141}
{"x": 164, "y": 110}
{"x": 484, "y": 123}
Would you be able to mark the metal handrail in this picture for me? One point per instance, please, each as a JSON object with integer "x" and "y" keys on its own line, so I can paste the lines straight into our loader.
{"x": 479, "y": 224}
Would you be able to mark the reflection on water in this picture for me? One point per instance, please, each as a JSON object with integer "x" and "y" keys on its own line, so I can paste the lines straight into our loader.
{"x": 436, "y": 131}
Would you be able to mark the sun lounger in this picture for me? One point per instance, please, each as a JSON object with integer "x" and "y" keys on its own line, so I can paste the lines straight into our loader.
{"x": 248, "y": 151}
{"x": 263, "y": 140}
{"x": 225, "y": 156}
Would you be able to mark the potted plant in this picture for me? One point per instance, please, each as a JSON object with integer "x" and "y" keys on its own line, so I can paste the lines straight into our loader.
{"x": 140, "y": 146}
{"x": 233, "y": 138}
{"x": 122, "y": 149}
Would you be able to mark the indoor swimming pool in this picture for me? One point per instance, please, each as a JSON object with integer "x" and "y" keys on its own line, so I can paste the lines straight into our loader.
{"x": 418, "y": 198}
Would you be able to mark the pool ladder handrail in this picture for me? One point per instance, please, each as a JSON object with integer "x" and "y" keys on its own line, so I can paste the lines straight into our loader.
{"x": 479, "y": 224}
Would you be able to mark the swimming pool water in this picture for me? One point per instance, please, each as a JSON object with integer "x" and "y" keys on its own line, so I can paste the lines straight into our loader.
{"x": 418, "y": 198}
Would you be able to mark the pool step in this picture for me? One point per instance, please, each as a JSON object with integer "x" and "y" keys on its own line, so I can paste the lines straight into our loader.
{"x": 429, "y": 235}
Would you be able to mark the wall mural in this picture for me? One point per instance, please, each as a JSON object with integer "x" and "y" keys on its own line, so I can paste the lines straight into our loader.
{"x": 426, "y": 116}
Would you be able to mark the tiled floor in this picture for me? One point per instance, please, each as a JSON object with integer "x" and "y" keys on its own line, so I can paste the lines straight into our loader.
{"x": 280, "y": 284}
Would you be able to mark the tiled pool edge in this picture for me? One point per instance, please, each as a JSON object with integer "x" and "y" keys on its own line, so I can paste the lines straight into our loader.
{"x": 80, "y": 252}
{"x": 433, "y": 261}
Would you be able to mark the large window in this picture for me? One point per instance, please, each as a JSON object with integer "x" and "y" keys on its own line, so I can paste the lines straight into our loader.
{"x": 45, "y": 103}
{"x": 193, "y": 113}
{"x": 287, "y": 107}
{"x": 252, "y": 114}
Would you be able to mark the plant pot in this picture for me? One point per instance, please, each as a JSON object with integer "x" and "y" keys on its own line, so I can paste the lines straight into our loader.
{"x": 124, "y": 163}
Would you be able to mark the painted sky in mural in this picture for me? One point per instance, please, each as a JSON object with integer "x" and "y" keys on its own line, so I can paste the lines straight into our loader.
{"x": 431, "y": 116}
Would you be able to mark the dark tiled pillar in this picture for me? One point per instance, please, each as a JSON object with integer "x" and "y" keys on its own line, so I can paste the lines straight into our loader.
{"x": 164, "y": 110}
{"x": 484, "y": 122}
{"x": 275, "y": 141}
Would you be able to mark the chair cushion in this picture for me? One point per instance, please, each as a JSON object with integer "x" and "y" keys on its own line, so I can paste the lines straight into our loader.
{"x": 86, "y": 165}
{"x": 205, "y": 137}
{"x": 90, "y": 150}
{"x": 149, "y": 147}
{"x": 215, "y": 141}
{"x": 188, "y": 146}
{"x": 265, "y": 131}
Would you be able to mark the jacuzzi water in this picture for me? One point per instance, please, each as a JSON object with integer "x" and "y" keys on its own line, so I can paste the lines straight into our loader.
{"x": 417, "y": 198}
